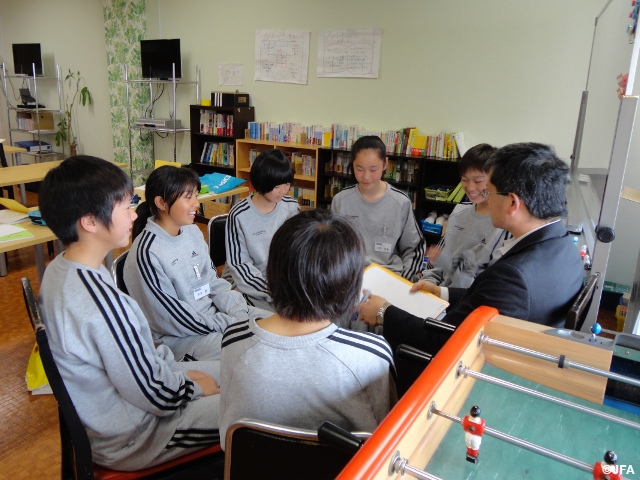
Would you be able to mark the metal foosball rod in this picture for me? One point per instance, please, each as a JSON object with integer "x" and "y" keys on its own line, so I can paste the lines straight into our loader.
{"x": 464, "y": 371}
{"x": 520, "y": 442}
{"x": 401, "y": 465}
{"x": 561, "y": 361}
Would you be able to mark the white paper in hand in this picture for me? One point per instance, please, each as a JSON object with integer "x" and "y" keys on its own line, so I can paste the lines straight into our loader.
{"x": 395, "y": 289}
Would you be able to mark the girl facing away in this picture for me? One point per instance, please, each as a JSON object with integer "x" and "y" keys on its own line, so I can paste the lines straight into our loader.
{"x": 471, "y": 242}
{"x": 253, "y": 222}
{"x": 169, "y": 272}
{"x": 381, "y": 213}
{"x": 296, "y": 367}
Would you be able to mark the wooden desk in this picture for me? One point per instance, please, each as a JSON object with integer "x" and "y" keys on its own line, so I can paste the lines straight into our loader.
{"x": 10, "y": 149}
{"x": 41, "y": 235}
{"x": 34, "y": 172}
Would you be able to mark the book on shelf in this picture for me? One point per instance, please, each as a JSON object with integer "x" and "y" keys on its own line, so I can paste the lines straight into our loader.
{"x": 395, "y": 289}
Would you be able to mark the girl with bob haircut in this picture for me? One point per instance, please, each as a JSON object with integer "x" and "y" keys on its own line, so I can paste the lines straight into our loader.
{"x": 252, "y": 223}
{"x": 310, "y": 369}
{"x": 169, "y": 272}
{"x": 381, "y": 213}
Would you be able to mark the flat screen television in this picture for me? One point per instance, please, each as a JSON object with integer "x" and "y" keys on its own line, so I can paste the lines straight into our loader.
{"x": 158, "y": 57}
{"x": 25, "y": 55}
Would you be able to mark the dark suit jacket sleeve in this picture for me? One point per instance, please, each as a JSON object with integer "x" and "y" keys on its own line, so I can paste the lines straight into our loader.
{"x": 402, "y": 327}
{"x": 502, "y": 286}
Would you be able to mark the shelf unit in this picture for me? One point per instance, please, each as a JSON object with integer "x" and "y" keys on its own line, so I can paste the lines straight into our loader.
{"x": 174, "y": 82}
{"x": 202, "y": 120}
{"x": 304, "y": 187}
{"x": 33, "y": 82}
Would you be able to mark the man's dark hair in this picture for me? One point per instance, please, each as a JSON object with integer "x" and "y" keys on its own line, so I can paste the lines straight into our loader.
{"x": 81, "y": 185}
{"x": 535, "y": 174}
{"x": 169, "y": 183}
{"x": 270, "y": 169}
{"x": 476, "y": 158}
{"x": 315, "y": 266}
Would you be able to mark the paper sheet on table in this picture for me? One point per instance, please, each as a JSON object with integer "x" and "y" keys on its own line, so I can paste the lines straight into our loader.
{"x": 8, "y": 233}
{"x": 395, "y": 289}
{"x": 9, "y": 216}
{"x": 13, "y": 205}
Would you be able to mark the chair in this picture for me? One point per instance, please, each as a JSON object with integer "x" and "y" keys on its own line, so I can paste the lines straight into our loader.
{"x": 117, "y": 269}
{"x": 216, "y": 233}
{"x": 578, "y": 311}
{"x": 76, "y": 450}
{"x": 161, "y": 163}
{"x": 265, "y": 450}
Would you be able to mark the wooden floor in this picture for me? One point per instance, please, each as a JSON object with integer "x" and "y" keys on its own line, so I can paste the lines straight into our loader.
{"x": 29, "y": 440}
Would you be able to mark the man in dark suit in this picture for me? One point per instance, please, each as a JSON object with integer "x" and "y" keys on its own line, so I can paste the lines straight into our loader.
{"x": 540, "y": 272}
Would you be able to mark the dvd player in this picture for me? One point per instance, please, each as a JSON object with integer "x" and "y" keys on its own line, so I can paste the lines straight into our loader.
{"x": 160, "y": 123}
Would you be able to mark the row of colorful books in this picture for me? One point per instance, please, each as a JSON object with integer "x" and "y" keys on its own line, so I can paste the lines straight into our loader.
{"x": 406, "y": 141}
{"x": 212, "y": 123}
{"x": 218, "y": 153}
{"x": 304, "y": 196}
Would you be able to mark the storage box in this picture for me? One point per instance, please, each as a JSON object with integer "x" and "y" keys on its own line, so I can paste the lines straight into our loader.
{"x": 431, "y": 227}
{"x": 437, "y": 192}
{"x": 42, "y": 121}
{"x": 212, "y": 208}
{"x": 229, "y": 99}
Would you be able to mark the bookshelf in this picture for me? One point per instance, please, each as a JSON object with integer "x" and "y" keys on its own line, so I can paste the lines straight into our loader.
{"x": 217, "y": 129}
{"x": 305, "y": 179}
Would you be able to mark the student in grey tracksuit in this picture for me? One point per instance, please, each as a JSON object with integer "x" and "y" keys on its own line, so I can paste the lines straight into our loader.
{"x": 252, "y": 223}
{"x": 169, "y": 272}
{"x": 381, "y": 213}
{"x": 138, "y": 405}
{"x": 309, "y": 369}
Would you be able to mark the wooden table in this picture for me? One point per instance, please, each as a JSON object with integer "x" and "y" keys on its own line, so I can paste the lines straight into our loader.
{"x": 41, "y": 235}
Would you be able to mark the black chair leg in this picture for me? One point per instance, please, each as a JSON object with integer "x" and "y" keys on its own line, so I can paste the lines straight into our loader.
{"x": 50, "y": 248}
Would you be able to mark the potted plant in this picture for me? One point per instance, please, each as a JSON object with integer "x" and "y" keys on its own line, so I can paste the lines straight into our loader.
{"x": 76, "y": 94}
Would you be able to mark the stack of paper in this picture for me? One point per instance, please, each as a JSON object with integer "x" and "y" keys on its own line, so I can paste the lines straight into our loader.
{"x": 14, "y": 213}
{"x": 9, "y": 233}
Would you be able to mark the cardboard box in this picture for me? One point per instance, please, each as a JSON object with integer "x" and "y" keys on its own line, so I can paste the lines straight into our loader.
{"x": 212, "y": 208}
{"x": 42, "y": 121}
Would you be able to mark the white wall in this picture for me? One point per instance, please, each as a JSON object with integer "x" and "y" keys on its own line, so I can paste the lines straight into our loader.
{"x": 498, "y": 71}
{"x": 71, "y": 34}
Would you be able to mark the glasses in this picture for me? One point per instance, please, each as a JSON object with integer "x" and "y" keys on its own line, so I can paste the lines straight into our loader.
{"x": 485, "y": 193}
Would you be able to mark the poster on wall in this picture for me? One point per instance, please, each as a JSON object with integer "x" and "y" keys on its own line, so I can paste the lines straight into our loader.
{"x": 349, "y": 53}
{"x": 230, "y": 74}
{"x": 282, "y": 56}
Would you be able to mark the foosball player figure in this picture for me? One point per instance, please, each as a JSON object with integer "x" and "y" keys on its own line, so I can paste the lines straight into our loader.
{"x": 473, "y": 426}
{"x": 607, "y": 470}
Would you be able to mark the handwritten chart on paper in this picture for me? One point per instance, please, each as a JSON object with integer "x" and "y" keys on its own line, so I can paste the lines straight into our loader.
{"x": 230, "y": 74}
{"x": 282, "y": 56}
{"x": 349, "y": 53}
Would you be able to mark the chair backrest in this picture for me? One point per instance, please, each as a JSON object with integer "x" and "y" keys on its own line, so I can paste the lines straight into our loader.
{"x": 578, "y": 311}
{"x": 117, "y": 272}
{"x": 162, "y": 163}
{"x": 76, "y": 449}
{"x": 266, "y": 450}
{"x": 216, "y": 239}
